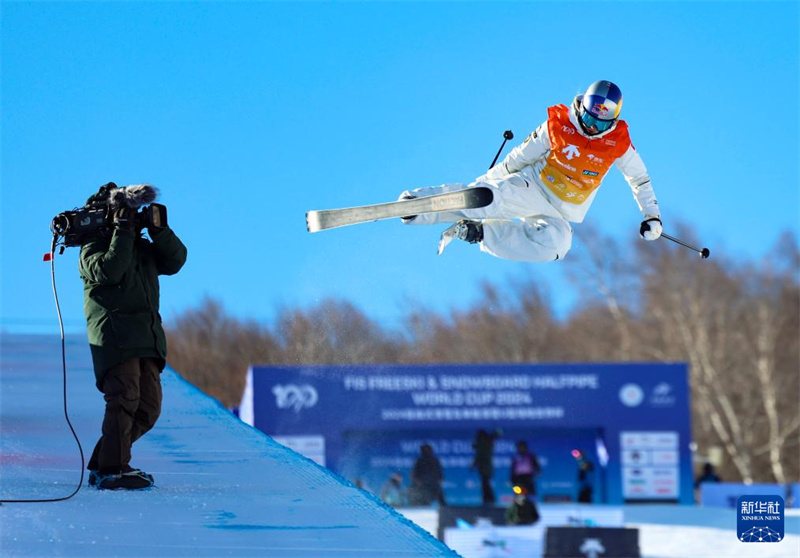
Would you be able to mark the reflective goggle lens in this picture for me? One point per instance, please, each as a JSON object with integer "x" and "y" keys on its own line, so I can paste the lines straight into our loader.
{"x": 589, "y": 120}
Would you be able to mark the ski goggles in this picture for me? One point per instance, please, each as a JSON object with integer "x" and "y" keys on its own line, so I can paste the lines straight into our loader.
{"x": 590, "y": 120}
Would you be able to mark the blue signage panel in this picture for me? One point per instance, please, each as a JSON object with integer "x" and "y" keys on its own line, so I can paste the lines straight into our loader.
{"x": 631, "y": 421}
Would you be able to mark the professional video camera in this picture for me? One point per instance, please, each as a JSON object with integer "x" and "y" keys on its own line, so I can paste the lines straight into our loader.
{"x": 95, "y": 218}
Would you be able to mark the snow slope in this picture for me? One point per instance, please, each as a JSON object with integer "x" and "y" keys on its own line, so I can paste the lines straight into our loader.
{"x": 222, "y": 488}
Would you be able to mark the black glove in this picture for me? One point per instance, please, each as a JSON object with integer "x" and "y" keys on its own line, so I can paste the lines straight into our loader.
{"x": 124, "y": 218}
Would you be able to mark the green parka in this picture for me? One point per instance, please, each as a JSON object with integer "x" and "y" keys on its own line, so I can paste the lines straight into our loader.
{"x": 121, "y": 295}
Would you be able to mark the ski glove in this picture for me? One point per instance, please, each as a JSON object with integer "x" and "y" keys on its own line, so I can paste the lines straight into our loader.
{"x": 469, "y": 231}
{"x": 650, "y": 229}
{"x": 124, "y": 218}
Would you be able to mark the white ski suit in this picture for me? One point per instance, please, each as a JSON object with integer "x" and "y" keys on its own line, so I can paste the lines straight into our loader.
{"x": 543, "y": 184}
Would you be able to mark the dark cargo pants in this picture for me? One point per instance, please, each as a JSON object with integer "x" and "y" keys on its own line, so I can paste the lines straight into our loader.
{"x": 132, "y": 391}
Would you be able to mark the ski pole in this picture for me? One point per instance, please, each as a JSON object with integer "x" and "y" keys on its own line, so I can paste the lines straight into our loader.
{"x": 507, "y": 135}
{"x": 704, "y": 253}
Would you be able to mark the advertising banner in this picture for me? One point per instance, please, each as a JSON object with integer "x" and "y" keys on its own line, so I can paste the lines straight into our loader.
{"x": 630, "y": 422}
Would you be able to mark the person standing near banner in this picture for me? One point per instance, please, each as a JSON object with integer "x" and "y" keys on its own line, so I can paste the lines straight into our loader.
{"x": 522, "y": 510}
{"x": 524, "y": 468}
{"x": 426, "y": 479}
{"x": 585, "y": 484}
{"x": 483, "y": 462}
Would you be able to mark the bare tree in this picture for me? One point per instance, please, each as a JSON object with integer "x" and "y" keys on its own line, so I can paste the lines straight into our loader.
{"x": 769, "y": 332}
{"x": 333, "y": 332}
{"x": 689, "y": 305}
{"x": 600, "y": 269}
{"x": 213, "y": 350}
{"x": 508, "y": 324}
{"x": 726, "y": 323}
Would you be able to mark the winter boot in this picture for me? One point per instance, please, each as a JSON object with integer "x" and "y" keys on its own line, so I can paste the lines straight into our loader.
{"x": 469, "y": 231}
{"x": 94, "y": 476}
{"x": 123, "y": 482}
{"x": 131, "y": 471}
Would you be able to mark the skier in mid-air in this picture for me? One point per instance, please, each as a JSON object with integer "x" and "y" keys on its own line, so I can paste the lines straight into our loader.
{"x": 549, "y": 181}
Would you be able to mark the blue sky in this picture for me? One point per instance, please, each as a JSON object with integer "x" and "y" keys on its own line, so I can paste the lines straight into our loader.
{"x": 248, "y": 114}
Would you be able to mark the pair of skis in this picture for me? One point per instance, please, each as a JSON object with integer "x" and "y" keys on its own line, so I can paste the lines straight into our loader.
{"x": 470, "y": 198}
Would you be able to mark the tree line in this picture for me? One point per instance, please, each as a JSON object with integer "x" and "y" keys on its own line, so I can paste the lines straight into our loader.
{"x": 735, "y": 322}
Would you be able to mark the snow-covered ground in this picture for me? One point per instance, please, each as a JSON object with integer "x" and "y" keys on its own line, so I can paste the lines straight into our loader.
{"x": 685, "y": 541}
{"x": 224, "y": 489}
{"x": 704, "y": 532}
{"x": 664, "y": 532}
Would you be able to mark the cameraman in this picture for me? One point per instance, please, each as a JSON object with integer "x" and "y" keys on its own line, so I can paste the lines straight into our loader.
{"x": 120, "y": 273}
